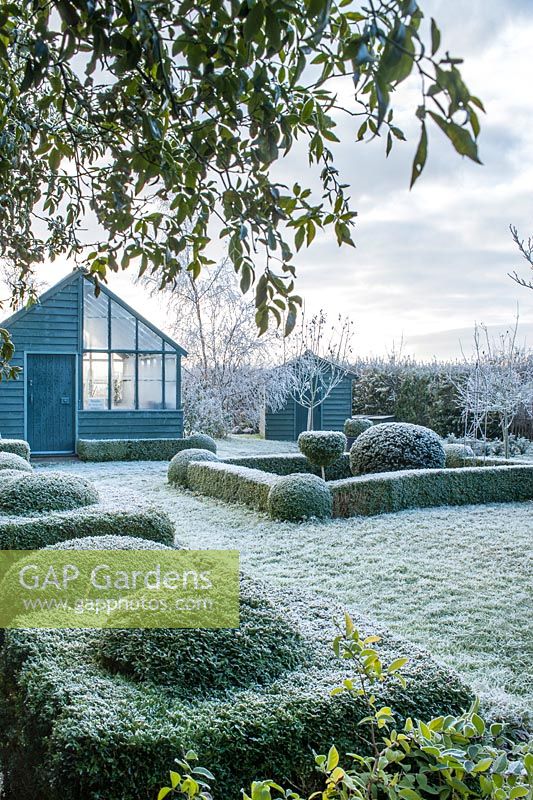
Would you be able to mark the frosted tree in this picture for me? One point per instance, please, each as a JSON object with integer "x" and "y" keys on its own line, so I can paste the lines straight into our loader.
{"x": 499, "y": 383}
{"x": 318, "y": 360}
{"x": 228, "y": 374}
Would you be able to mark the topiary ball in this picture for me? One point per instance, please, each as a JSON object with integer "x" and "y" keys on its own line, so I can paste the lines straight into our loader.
{"x": 177, "y": 469}
{"x": 355, "y": 427}
{"x": 456, "y": 454}
{"x": 299, "y": 496}
{"x": 201, "y": 441}
{"x": 55, "y": 491}
{"x": 394, "y": 446}
{"x": 264, "y": 645}
{"x": 13, "y": 461}
{"x": 322, "y": 448}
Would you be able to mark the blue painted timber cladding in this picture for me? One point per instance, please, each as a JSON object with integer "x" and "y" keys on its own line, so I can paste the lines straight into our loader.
{"x": 337, "y": 407}
{"x": 54, "y": 325}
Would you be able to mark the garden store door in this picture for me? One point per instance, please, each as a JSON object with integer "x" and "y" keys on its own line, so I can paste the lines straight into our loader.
{"x": 51, "y": 402}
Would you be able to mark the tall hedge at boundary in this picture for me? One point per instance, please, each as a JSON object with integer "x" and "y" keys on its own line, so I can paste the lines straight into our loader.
{"x": 32, "y": 533}
{"x": 385, "y": 492}
{"x": 96, "y": 735}
{"x": 139, "y": 449}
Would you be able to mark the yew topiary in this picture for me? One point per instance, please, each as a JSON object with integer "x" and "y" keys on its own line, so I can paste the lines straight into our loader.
{"x": 177, "y": 469}
{"x": 393, "y": 446}
{"x": 298, "y": 497}
{"x": 322, "y": 448}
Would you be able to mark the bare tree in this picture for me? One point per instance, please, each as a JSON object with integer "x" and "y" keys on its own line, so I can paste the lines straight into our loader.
{"x": 498, "y": 384}
{"x": 525, "y": 248}
{"x": 318, "y": 359}
{"x": 228, "y": 373}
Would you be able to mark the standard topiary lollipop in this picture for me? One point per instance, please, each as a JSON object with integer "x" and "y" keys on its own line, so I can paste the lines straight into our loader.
{"x": 322, "y": 448}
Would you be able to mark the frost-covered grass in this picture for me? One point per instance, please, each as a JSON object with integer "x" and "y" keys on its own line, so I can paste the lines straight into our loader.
{"x": 456, "y": 580}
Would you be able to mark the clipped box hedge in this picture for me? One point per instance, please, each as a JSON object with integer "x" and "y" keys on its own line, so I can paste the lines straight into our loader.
{"x": 131, "y": 449}
{"x": 71, "y": 727}
{"x": 289, "y": 463}
{"x": 231, "y": 483}
{"x": 32, "y": 533}
{"x": 389, "y": 492}
{"x": 17, "y": 446}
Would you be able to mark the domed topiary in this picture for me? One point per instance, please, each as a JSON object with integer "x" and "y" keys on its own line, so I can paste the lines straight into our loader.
{"x": 54, "y": 491}
{"x": 263, "y": 646}
{"x": 322, "y": 448}
{"x": 299, "y": 496}
{"x": 177, "y": 469}
{"x": 456, "y": 454}
{"x": 13, "y": 461}
{"x": 393, "y": 446}
{"x": 355, "y": 427}
{"x": 201, "y": 441}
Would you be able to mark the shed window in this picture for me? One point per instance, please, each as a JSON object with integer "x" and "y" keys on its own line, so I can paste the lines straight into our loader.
{"x": 96, "y": 312}
{"x": 126, "y": 365}
{"x": 95, "y": 380}
{"x": 122, "y": 328}
{"x": 123, "y": 378}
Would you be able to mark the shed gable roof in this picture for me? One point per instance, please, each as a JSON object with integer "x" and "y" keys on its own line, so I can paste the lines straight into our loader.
{"x": 74, "y": 277}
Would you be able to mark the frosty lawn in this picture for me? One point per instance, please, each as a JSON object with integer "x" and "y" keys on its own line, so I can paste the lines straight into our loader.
{"x": 456, "y": 580}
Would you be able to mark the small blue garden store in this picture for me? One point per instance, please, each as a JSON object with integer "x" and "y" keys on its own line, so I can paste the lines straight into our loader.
{"x": 92, "y": 368}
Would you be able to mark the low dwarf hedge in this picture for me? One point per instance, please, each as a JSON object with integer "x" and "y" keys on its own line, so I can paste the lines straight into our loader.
{"x": 389, "y": 492}
{"x": 231, "y": 483}
{"x": 457, "y": 455}
{"x": 17, "y": 446}
{"x": 298, "y": 497}
{"x": 46, "y": 491}
{"x": 140, "y": 449}
{"x": 32, "y": 533}
{"x": 289, "y": 463}
{"x": 12, "y": 461}
{"x": 177, "y": 469}
{"x": 266, "y": 646}
{"x": 72, "y": 728}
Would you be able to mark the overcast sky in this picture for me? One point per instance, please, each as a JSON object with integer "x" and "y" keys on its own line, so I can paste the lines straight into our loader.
{"x": 431, "y": 262}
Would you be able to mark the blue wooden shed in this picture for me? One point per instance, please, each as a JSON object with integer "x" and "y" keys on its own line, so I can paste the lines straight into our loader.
{"x": 330, "y": 415}
{"x": 92, "y": 368}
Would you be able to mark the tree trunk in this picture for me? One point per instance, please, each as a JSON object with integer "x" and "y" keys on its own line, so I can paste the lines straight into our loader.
{"x": 505, "y": 426}
{"x": 310, "y": 418}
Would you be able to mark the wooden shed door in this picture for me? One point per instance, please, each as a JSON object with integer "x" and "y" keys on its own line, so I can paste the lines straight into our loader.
{"x": 51, "y": 402}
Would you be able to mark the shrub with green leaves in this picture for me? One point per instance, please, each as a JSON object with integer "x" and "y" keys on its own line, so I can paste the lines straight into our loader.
{"x": 390, "y": 492}
{"x": 12, "y": 461}
{"x": 393, "y": 446}
{"x": 457, "y": 455}
{"x": 17, "y": 446}
{"x": 109, "y": 541}
{"x": 263, "y": 647}
{"x": 100, "y": 734}
{"x": 177, "y": 469}
{"x": 298, "y": 497}
{"x": 37, "y": 492}
{"x": 200, "y": 441}
{"x": 354, "y": 427}
{"x": 449, "y": 756}
{"x": 231, "y": 483}
{"x": 289, "y": 463}
{"x": 140, "y": 449}
{"x": 322, "y": 448}
{"x": 32, "y": 533}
